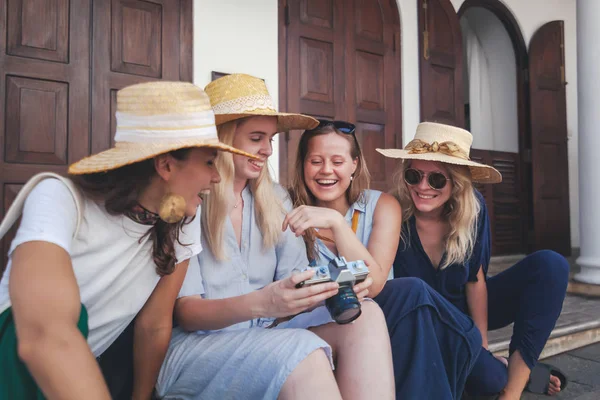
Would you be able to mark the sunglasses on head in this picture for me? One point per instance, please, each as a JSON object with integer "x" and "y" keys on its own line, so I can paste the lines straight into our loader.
{"x": 435, "y": 180}
{"x": 341, "y": 126}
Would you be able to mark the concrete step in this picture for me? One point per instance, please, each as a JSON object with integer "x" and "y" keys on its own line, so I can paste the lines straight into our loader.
{"x": 578, "y": 324}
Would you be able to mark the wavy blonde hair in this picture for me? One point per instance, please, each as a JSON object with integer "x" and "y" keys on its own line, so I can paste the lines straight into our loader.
{"x": 268, "y": 207}
{"x": 301, "y": 195}
{"x": 461, "y": 211}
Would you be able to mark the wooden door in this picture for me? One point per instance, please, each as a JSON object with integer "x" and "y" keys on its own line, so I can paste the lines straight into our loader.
{"x": 504, "y": 201}
{"x": 135, "y": 41}
{"x": 342, "y": 61}
{"x": 549, "y": 139}
{"x": 58, "y": 102}
{"x": 440, "y": 55}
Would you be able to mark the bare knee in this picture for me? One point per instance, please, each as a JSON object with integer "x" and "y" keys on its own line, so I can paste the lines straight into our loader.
{"x": 372, "y": 315}
{"x": 311, "y": 375}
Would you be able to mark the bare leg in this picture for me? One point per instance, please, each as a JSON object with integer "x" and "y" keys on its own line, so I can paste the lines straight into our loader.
{"x": 518, "y": 375}
{"x": 364, "y": 356}
{"x": 311, "y": 377}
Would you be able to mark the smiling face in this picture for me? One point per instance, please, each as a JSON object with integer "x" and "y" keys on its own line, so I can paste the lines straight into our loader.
{"x": 426, "y": 199}
{"x": 254, "y": 135}
{"x": 328, "y": 167}
{"x": 193, "y": 176}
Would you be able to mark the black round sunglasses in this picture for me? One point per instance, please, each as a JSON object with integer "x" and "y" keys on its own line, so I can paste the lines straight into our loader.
{"x": 435, "y": 180}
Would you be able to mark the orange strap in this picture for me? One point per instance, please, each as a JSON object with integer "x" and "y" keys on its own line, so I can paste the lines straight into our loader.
{"x": 355, "y": 217}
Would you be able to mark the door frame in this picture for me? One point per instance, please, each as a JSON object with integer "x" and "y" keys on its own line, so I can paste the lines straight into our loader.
{"x": 523, "y": 111}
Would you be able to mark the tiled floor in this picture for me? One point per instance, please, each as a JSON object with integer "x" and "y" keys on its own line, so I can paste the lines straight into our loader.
{"x": 582, "y": 367}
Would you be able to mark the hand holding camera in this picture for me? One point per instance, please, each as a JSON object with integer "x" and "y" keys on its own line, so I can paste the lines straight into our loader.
{"x": 282, "y": 298}
{"x": 344, "y": 306}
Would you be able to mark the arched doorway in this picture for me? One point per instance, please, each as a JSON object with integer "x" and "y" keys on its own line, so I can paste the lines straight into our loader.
{"x": 496, "y": 112}
{"x": 341, "y": 60}
{"x": 530, "y": 209}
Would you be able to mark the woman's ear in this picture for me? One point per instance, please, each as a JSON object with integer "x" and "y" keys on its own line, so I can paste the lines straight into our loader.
{"x": 354, "y": 165}
{"x": 163, "y": 166}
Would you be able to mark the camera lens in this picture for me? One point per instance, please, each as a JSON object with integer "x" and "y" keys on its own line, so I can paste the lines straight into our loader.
{"x": 344, "y": 307}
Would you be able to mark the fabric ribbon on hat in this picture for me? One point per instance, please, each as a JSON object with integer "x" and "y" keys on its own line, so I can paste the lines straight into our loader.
{"x": 417, "y": 146}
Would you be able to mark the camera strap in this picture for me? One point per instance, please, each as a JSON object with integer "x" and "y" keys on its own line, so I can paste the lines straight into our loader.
{"x": 355, "y": 217}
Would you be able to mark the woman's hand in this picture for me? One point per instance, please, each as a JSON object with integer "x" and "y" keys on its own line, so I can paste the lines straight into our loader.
{"x": 282, "y": 298}
{"x": 362, "y": 289}
{"x": 304, "y": 217}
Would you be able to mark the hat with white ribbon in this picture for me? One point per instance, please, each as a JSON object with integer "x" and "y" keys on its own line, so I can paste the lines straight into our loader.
{"x": 155, "y": 118}
{"x": 239, "y": 96}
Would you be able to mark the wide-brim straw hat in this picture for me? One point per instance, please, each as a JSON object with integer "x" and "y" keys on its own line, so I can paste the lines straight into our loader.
{"x": 446, "y": 144}
{"x": 154, "y": 118}
{"x": 239, "y": 96}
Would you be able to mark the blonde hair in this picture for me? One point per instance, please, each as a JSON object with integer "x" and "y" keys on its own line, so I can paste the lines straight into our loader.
{"x": 461, "y": 211}
{"x": 300, "y": 193}
{"x": 268, "y": 207}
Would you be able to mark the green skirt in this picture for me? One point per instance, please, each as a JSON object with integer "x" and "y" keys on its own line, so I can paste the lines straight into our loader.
{"x": 15, "y": 380}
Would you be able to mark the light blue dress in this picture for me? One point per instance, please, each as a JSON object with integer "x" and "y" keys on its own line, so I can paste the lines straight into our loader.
{"x": 245, "y": 360}
{"x": 365, "y": 206}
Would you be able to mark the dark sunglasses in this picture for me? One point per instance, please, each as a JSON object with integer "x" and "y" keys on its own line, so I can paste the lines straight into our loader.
{"x": 342, "y": 126}
{"x": 435, "y": 180}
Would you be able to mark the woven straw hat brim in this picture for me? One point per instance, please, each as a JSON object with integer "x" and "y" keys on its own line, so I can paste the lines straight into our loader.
{"x": 285, "y": 121}
{"x": 480, "y": 173}
{"x": 126, "y": 153}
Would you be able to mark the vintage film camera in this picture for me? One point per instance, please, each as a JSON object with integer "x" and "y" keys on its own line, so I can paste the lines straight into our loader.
{"x": 344, "y": 307}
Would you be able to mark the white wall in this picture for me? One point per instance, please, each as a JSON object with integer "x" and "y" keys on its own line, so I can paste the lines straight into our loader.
{"x": 238, "y": 36}
{"x": 501, "y": 131}
{"x": 241, "y": 36}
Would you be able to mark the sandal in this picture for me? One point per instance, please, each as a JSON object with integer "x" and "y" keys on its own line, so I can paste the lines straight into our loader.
{"x": 539, "y": 380}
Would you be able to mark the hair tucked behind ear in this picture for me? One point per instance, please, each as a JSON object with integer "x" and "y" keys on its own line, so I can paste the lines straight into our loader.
{"x": 119, "y": 190}
{"x": 461, "y": 211}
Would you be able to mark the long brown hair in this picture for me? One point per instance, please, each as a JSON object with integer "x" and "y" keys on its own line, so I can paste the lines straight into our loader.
{"x": 300, "y": 193}
{"x": 119, "y": 189}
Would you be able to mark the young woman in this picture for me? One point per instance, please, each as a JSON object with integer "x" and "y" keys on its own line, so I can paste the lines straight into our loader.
{"x": 242, "y": 298}
{"x": 89, "y": 254}
{"x": 337, "y": 214}
{"x": 447, "y": 244}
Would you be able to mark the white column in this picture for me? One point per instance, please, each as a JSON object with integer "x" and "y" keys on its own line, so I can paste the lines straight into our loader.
{"x": 588, "y": 104}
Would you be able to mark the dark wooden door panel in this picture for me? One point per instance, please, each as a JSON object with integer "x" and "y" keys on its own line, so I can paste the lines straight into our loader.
{"x": 509, "y": 222}
{"x": 44, "y": 95}
{"x": 549, "y": 139}
{"x": 440, "y": 52}
{"x": 504, "y": 202}
{"x": 39, "y": 29}
{"x": 46, "y": 91}
{"x": 372, "y": 83}
{"x": 143, "y": 45}
{"x": 342, "y": 62}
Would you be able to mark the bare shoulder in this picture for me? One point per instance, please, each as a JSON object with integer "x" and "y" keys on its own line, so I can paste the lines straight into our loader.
{"x": 388, "y": 206}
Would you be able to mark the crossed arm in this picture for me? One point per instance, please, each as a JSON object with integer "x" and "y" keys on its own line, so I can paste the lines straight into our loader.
{"x": 383, "y": 243}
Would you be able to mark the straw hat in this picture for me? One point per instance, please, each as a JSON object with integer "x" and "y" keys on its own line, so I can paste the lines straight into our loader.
{"x": 155, "y": 118}
{"x": 447, "y": 144}
{"x": 238, "y": 96}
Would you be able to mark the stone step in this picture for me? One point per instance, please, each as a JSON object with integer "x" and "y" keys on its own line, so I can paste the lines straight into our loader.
{"x": 577, "y": 326}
